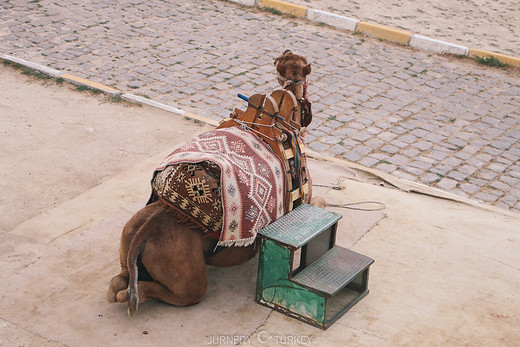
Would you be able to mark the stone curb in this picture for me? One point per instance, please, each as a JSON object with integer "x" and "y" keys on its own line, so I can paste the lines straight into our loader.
{"x": 60, "y": 74}
{"x": 284, "y": 7}
{"x": 428, "y": 44}
{"x": 384, "y": 32}
{"x": 473, "y": 52}
{"x": 376, "y": 30}
{"x": 171, "y": 109}
{"x": 332, "y": 19}
{"x": 83, "y": 82}
{"x": 78, "y": 81}
{"x": 34, "y": 66}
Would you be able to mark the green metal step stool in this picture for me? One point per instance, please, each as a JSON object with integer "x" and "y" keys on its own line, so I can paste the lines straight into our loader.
{"x": 302, "y": 273}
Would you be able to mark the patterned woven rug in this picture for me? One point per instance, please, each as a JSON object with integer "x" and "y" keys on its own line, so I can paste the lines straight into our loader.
{"x": 226, "y": 181}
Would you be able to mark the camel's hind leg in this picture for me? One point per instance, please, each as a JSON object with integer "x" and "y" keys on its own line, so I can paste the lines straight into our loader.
{"x": 120, "y": 282}
{"x": 117, "y": 284}
{"x": 155, "y": 290}
{"x": 174, "y": 257}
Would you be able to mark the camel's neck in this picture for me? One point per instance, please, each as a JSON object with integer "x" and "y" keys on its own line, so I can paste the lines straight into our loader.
{"x": 296, "y": 89}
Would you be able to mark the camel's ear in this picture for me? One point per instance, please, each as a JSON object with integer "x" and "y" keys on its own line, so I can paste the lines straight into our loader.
{"x": 281, "y": 68}
{"x": 307, "y": 69}
{"x": 283, "y": 56}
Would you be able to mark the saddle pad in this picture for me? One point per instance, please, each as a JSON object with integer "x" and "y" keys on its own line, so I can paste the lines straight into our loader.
{"x": 192, "y": 193}
{"x": 252, "y": 186}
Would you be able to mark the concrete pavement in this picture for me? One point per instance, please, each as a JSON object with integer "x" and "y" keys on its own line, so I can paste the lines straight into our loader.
{"x": 442, "y": 121}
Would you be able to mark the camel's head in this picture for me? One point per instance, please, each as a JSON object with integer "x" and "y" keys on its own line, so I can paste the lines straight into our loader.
{"x": 292, "y": 72}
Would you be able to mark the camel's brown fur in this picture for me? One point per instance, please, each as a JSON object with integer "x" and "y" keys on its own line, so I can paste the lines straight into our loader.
{"x": 162, "y": 258}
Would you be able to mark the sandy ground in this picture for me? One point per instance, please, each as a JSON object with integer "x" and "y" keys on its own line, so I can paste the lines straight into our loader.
{"x": 446, "y": 271}
{"x": 492, "y": 25}
{"x": 81, "y": 135}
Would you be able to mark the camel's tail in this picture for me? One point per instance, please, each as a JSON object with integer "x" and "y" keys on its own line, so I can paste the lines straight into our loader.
{"x": 136, "y": 246}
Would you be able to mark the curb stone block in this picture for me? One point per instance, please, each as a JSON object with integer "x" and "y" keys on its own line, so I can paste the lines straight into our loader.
{"x": 384, "y": 32}
{"x": 285, "y": 7}
{"x": 502, "y": 57}
{"x": 34, "y": 66}
{"x": 426, "y": 43}
{"x": 168, "y": 108}
{"x": 332, "y": 19}
{"x": 149, "y": 102}
{"x": 250, "y": 3}
{"x": 81, "y": 81}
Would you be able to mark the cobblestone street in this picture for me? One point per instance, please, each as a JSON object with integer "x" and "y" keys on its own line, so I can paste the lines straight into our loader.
{"x": 442, "y": 121}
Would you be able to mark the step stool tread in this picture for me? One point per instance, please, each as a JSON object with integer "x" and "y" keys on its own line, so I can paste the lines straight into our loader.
{"x": 300, "y": 225}
{"x": 333, "y": 270}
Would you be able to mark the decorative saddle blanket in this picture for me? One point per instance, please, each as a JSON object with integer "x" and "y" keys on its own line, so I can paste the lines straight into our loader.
{"x": 226, "y": 181}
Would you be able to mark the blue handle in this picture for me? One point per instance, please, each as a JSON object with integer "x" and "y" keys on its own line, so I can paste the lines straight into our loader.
{"x": 243, "y": 97}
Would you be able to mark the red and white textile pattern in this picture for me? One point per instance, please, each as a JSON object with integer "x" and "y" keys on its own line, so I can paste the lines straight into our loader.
{"x": 252, "y": 180}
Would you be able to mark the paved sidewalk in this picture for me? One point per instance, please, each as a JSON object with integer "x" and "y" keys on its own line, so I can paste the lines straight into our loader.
{"x": 445, "y": 122}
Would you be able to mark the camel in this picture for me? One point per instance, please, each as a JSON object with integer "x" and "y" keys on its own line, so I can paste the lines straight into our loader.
{"x": 165, "y": 258}
{"x": 293, "y": 70}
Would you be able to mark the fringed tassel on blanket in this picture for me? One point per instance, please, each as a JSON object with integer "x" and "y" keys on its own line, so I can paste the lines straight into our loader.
{"x": 184, "y": 218}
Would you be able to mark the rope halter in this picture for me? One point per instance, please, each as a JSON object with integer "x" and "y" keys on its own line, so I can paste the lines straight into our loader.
{"x": 284, "y": 81}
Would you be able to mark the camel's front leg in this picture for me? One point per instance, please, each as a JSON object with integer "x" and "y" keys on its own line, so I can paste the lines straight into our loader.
{"x": 317, "y": 201}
